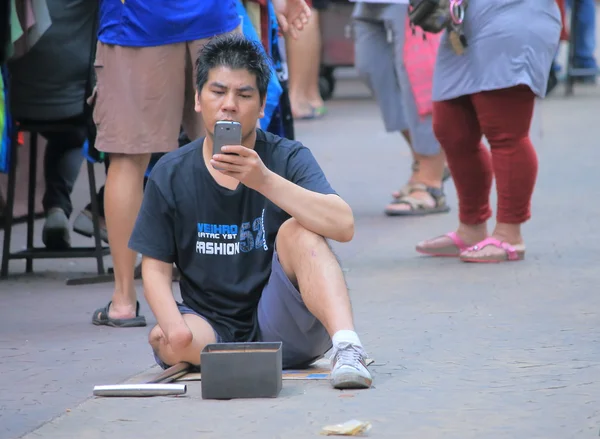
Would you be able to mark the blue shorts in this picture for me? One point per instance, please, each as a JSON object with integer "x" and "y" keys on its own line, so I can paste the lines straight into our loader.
{"x": 283, "y": 316}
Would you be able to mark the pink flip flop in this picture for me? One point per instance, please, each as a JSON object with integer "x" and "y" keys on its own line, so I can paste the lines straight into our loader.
{"x": 452, "y": 250}
{"x": 510, "y": 252}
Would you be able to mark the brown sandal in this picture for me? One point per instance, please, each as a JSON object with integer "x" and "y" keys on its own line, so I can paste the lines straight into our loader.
{"x": 404, "y": 191}
{"x": 419, "y": 207}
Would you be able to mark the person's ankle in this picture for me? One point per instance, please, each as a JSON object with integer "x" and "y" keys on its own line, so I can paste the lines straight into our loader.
{"x": 123, "y": 304}
{"x": 429, "y": 182}
{"x": 430, "y": 169}
{"x": 510, "y": 233}
{"x": 472, "y": 233}
{"x": 346, "y": 336}
{"x": 54, "y": 211}
{"x": 316, "y": 103}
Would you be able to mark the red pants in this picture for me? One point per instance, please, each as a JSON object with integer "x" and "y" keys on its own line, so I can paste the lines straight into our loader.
{"x": 504, "y": 118}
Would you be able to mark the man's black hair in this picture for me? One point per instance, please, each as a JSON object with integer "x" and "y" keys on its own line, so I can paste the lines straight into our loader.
{"x": 235, "y": 52}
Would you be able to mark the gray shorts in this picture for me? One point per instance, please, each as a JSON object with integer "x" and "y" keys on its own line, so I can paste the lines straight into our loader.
{"x": 283, "y": 316}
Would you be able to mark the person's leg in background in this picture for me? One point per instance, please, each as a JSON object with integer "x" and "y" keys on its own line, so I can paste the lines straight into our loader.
{"x": 303, "y": 57}
{"x": 83, "y": 223}
{"x": 122, "y": 201}
{"x": 457, "y": 128}
{"x": 585, "y": 38}
{"x": 138, "y": 112}
{"x": 313, "y": 92}
{"x": 62, "y": 163}
{"x": 505, "y": 119}
{"x": 371, "y": 45}
{"x": 564, "y": 36}
{"x": 552, "y": 78}
{"x": 375, "y": 61}
{"x": 424, "y": 193}
{"x": 192, "y": 124}
{"x": 156, "y": 130}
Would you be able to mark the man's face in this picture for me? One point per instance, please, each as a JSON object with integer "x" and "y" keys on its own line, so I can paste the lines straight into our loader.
{"x": 230, "y": 95}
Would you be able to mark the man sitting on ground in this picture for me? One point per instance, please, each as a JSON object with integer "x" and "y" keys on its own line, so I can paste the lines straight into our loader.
{"x": 250, "y": 238}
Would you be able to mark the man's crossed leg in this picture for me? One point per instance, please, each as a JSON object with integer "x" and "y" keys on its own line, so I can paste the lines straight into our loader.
{"x": 305, "y": 305}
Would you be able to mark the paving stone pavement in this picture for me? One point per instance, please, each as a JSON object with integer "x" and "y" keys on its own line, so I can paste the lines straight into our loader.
{"x": 462, "y": 351}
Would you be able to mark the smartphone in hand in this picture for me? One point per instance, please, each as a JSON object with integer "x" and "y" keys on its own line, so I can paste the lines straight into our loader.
{"x": 226, "y": 133}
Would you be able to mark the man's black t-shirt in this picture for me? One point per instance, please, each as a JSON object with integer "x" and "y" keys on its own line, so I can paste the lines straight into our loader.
{"x": 221, "y": 240}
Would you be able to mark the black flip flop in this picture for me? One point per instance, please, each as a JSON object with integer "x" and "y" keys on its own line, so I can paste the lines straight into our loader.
{"x": 101, "y": 318}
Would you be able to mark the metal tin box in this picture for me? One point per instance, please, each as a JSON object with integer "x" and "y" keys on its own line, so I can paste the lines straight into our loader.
{"x": 241, "y": 370}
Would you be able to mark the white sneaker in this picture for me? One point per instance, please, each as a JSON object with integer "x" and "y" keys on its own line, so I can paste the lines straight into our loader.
{"x": 348, "y": 367}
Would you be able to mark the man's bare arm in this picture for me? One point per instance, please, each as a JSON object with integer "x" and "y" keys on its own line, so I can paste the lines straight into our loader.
{"x": 158, "y": 280}
{"x": 326, "y": 215}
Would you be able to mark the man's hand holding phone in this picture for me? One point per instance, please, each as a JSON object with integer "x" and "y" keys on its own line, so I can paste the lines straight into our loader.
{"x": 243, "y": 164}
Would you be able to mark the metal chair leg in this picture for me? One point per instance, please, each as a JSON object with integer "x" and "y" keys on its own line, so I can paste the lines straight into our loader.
{"x": 95, "y": 217}
{"x": 31, "y": 198}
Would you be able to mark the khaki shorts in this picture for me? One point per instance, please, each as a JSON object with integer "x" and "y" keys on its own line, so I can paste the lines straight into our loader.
{"x": 144, "y": 95}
